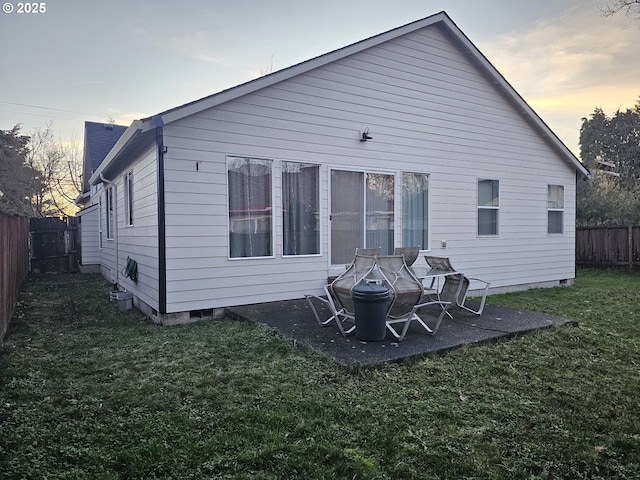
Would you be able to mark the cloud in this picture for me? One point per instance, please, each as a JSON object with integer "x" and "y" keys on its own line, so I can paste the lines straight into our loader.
{"x": 567, "y": 65}
{"x": 565, "y": 54}
{"x": 124, "y": 118}
{"x": 196, "y": 45}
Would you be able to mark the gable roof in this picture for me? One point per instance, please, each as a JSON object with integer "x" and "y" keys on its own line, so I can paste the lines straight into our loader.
{"x": 99, "y": 140}
{"x": 146, "y": 125}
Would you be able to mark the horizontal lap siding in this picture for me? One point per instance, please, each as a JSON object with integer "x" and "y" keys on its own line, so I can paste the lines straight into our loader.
{"x": 429, "y": 110}
{"x": 140, "y": 241}
{"x": 107, "y": 250}
{"x": 90, "y": 254}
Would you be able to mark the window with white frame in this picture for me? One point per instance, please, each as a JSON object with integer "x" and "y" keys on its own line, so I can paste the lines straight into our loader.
{"x": 300, "y": 209}
{"x": 250, "y": 207}
{"x": 488, "y": 207}
{"x": 127, "y": 181}
{"x": 110, "y": 212}
{"x": 555, "y": 209}
{"x": 100, "y": 221}
{"x": 415, "y": 210}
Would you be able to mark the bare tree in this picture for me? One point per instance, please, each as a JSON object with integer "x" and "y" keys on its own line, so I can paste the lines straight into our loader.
{"x": 266, "y": 69}
{"x": 630, "y": 7}
{"x": 58, "y": 180}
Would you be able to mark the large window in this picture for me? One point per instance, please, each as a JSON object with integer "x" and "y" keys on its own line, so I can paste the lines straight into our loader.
{"x": 555, "y": 209}
{"x": 250, "y": 212}
{"x": 415, "y": 210}
{"x": 128, "y": 198}
{"x": 111, "y": 212}
{"x": 488, "y": 207}
{"x": 300, "y": 209}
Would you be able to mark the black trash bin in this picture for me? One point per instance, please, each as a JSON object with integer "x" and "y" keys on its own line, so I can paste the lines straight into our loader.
{"x": 371, "y": 304}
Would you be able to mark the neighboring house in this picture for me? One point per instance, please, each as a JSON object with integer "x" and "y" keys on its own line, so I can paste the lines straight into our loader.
{"x": 99, "y": 139}
{"x": 260, "y": 192}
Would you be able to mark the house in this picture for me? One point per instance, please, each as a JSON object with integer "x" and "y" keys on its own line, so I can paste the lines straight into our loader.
{"x": 99, "y": 139}
{"x": 261, "y": 192}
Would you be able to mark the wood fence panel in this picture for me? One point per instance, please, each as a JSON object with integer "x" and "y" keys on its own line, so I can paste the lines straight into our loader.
{"x": 635, "y": 245}
{"x": 608, "y": 247}
{"x": 53, "y": 244}
{"x": 14, "y": 265}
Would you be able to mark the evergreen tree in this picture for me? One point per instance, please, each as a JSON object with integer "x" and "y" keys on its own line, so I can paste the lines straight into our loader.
{"x": 16, "y": 177}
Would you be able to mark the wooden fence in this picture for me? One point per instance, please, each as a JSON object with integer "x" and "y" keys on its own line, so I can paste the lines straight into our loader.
{"x": 53, "y": 244}
{"x": 608, "y": 247}
{"x": 14, "y": 265}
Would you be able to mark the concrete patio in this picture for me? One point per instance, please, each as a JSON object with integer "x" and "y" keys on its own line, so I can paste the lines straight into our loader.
{"x": 294, "y": 319}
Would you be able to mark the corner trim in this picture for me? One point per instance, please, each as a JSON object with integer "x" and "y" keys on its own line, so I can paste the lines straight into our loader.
{"x": 162, "y": 245}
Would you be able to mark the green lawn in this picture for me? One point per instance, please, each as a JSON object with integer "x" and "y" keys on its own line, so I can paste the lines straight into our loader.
{"x": 89, "y": 393}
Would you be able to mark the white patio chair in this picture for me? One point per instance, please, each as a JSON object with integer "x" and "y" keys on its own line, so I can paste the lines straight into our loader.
{"x": 461, "y": 300}
{"x": 456, "y": 286}
{"x": 407, "y": 297}
{"x": 371, "y": 252}
{"x": 337, "y": 297}
{"x": 410, "y": 254}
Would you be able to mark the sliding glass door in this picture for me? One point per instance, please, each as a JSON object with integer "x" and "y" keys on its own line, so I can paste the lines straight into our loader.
{"x": 362, "y": 213}
{"x": 347, "y": 215}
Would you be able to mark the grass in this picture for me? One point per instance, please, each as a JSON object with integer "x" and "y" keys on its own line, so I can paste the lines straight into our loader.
{"x": 89, "y": 393}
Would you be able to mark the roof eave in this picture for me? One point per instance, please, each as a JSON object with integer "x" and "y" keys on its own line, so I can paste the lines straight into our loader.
{"x": 134, "y": 130}
{"x": 442, "y": 18}
{"x": 197, "y": 106}
{"x": 507, "y": 89}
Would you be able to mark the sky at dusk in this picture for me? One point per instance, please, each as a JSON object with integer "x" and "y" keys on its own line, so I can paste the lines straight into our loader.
{"x": 127, "y": 59}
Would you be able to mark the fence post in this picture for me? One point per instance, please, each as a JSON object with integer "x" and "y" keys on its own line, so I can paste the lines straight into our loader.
{"x": 630, "y": 235}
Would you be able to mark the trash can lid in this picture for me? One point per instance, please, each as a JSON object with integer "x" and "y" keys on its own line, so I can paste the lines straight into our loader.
{"x": 372, "y": 287}
{"x": 369, "y": 291}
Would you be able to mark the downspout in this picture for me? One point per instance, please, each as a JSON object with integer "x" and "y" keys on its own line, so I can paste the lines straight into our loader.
{"x": 115, "y": 227}
{"x": 162, "y": 241}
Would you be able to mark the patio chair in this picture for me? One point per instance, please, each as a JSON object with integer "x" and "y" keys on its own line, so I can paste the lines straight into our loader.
{"x": 456, "y": 288}
{"x": 461, "y": 301}
{"x": 338, "y": 295}
{"x": 410, "y": 254}
{"x": 439, "y": 263}
{"x": 371, "y": 252}
{"x": 407, "y": 297}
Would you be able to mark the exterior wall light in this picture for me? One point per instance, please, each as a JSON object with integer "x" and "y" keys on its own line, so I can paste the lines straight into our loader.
{"x": 366, "y": 136}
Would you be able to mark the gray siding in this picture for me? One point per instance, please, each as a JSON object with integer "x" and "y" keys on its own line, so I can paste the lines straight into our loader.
{"x": 429, "y": 110}
{"x": 140, "y": 241}
{"x": 89, "y": 237}
{"x": 108, "y": 247}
